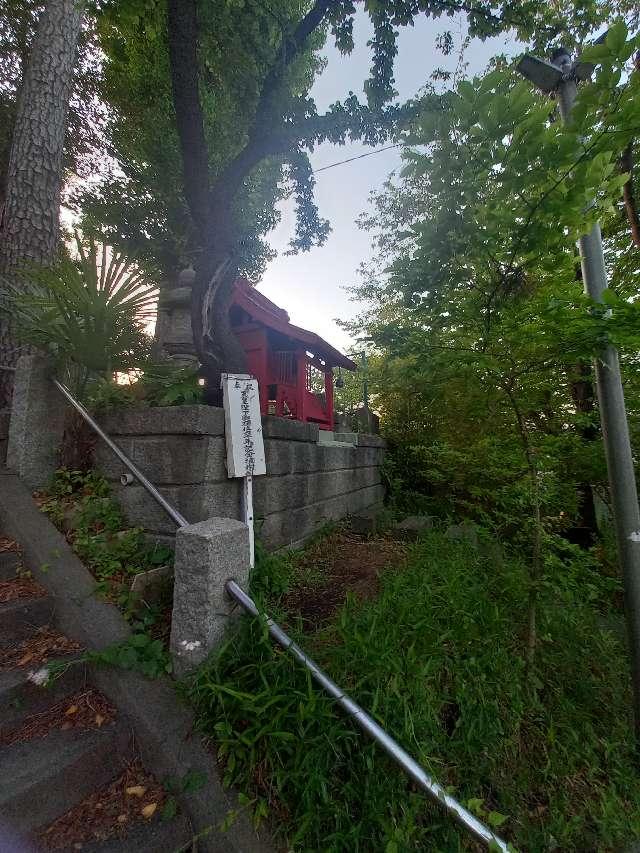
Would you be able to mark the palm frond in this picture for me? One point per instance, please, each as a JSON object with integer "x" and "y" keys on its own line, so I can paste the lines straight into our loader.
{"x": 90, "y": 310}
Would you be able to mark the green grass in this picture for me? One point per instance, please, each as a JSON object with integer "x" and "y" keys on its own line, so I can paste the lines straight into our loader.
{"x": 112, "y": 550}
{"x": 437, "y": 659}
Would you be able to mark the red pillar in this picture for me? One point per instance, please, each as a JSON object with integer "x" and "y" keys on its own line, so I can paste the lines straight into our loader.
{"x": 301, "y": 384}
{"x": 328, "y": 392}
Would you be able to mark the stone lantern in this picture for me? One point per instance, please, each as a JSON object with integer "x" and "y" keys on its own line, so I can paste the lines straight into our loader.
{"x": 174, "y": 339}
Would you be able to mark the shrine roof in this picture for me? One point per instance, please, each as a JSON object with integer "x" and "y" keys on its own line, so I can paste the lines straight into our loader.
{"x": 264, "y": 311}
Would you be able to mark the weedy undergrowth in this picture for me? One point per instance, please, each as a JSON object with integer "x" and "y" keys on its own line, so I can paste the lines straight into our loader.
{"x": 81, "y": 504}
{"x": 546, "y": 755}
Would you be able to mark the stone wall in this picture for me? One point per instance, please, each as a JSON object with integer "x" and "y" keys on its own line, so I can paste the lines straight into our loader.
{"x": 182, "y": 450}
{"x": 5, "y": 416}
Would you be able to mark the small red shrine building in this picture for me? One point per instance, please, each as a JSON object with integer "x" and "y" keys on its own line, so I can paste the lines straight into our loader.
{"x": 294, "y": 367}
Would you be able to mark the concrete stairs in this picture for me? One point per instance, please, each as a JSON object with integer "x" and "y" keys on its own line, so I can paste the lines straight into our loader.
{"x": 146, "y": 720}
{"x": 51, "y": 770}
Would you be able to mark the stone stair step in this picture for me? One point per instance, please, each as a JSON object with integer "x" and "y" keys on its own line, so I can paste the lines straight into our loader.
{"x": 20, "y": 697}
{"x": 9, "y": 564}
{"x": 22, "y": 617}
{"x": 44, "y": 778}
{"x": 157, "y": 836}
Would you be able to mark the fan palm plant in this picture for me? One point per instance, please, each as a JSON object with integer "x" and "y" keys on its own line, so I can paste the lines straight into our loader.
{"x": 88, "y": 311}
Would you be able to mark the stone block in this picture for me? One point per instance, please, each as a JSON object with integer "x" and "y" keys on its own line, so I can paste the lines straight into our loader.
{"x": 164, "y": 420}
{"x": 283, "y": 428}
{"x": 368, "y": 440}
{"x": 294, "y": 526}
{"x": 368, "y": 522}
{"x": 464, "y": 532}
{"x": 141, "y": 510}
{"x": 347, "y": 437}
{"x": 149, "y": 588}
{"x": 411, "y": 528}
{"x": 220, "y": 499}
{"x": 168, "y": 459}
{"x": 5, "y": 418}
{"x": 279, "y": 457}
{"x": 207, "y": 555}
{"x": 273, "y": 494}
{"x": 37, "y": 422}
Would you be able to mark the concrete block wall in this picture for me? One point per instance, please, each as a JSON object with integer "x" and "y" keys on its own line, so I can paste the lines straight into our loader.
{"x": 182, "y": 451}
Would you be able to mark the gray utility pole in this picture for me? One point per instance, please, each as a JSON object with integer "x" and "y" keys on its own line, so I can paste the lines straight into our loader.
{"x": 561, "y": 76}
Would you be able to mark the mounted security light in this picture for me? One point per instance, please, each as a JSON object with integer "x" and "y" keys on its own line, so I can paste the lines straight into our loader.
{"x": 547, "y": 76}
{"x": 544, "y": 75}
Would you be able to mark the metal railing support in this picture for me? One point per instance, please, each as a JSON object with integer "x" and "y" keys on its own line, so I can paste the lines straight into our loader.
{"x": 436, "y": 792}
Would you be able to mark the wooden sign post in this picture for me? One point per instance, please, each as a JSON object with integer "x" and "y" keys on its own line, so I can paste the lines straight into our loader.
{"x": 245, "y": 447}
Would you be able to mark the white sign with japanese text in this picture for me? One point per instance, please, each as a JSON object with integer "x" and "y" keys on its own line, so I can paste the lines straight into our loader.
{"x": 243, "y": 426}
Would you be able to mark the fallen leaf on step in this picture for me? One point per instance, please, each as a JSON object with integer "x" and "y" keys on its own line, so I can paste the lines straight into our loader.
{"x": 122, "y": 818}
{"x": 65, "y": 726}
{"x": 136, "y": 791}
{"x": 25, "y": 659}
{"x": 72, "y": 709}
{"x": 148, "y": 811}
{"x": 99, "y": 720}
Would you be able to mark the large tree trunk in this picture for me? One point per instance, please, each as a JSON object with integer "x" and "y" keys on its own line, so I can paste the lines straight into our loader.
{"x": 29, "y": 227}
{"x": 217, "y": 346}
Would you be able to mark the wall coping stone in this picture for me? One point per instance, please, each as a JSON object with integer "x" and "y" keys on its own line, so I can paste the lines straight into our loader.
{"x": 164, "y": 420}
{"x": 289, "y": 430}
{"x": 209, "y": 420}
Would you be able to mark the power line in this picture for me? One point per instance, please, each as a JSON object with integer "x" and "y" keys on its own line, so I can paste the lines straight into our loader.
{"x": 359, "y": 157}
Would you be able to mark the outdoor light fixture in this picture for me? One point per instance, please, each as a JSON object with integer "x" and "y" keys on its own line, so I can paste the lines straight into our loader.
{"x": 544, "y": 75}
{"x": 547, "y": 76}
{"x": 339, "y": 383}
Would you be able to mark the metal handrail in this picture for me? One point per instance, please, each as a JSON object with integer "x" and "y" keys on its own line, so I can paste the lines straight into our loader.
{"x": 435, "y": 791}
{"x": 173, "y": 513}
{"x": 393, "y": 749}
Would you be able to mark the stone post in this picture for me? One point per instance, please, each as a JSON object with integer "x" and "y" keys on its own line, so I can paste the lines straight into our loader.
{"x": 37, "y": 422}
{"x": 207, "y": 555}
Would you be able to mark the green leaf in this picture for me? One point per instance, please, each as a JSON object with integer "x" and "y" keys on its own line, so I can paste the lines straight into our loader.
{"x": 170, "y": 808}
{"x": 617, "y": 36}
{"x": 194, "y": 780}
{"x": 496, "y": 819}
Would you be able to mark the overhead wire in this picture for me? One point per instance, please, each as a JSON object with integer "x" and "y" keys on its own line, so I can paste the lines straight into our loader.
{"x": 358, "y": 157}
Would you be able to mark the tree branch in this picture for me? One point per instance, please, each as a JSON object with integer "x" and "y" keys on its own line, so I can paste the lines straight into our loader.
{"x": 264, "y": 137}
{"x": 183, "y": 53}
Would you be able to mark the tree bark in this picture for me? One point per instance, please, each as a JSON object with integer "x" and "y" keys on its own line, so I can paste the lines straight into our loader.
{"x": 30, "y": 220}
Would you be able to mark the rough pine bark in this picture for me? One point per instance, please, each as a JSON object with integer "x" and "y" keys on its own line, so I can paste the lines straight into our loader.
{"x": 30, "y": 218}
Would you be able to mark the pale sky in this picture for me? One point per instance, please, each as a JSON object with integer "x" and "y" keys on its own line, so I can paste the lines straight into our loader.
{"x": 309, "y": 285}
